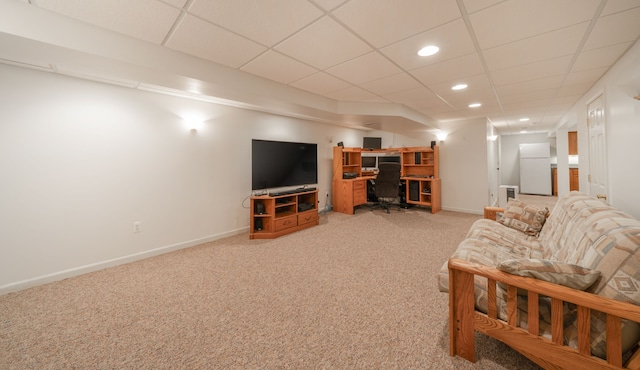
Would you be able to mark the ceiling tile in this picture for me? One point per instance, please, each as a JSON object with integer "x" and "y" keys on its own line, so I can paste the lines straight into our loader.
{"x": 352, "y": 93}
{"x": 323, "y": 44}
{"x": 452, "y": 39}
{"x": 462, "y": 99}
{"x": 266, "y": 22}
{"x": 369, "y": 67}
{"x": 468, "y": 65}
{"x": 382, "y": 22}
{"x": 199, "y": 38}
{"x": 148, "y": 20}
{"x": 329, "y": 4}
{"x": 584, "y": 76}
{"x": 533, "y": 71}
{"x": 278, "y": 67}
{"x": 391, "y": 84}
{"x": 534, "y": 49}
{"x": 615, "y": 29}
{"x": 321, "y": 83}
{"x": 619, "y": 5}
{"x": 518, "y": 19}
{"x": 473, "y": 6}
{"x": 476, "y": 82}
{"x": 553, "y": 82}
{"x": 413, "y": 96}
{"x": 602, "y": 57}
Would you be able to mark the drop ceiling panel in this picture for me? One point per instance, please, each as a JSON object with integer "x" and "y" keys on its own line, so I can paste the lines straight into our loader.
{"x": 202, "y": 39}
{"x": 321, "y": 83}
{"x": 278, "y": 67}
{"x": 614, "y": 29}
{"x": 266, "y": 22}
{"x": 148, "y": 20}
{"x": 412, "y": 96}
{"x": 553, "y": 82}
{"x": 391, "y": 84}
{"x": 533, "y": 71}
{"x": 584, "y": 76}
{"x": 518, "y": 19}
{"x": 369, "y": 67}
{"x": 473, "y": 6}
{"x": 452, "y": 38}
{"x": 324, "y": 44}
{"x": 329, "y": 4}
{"x": 537, "y": 48}
{"x": 353, "y": 93}
{"x": 382, "y": 22}
{"x": 603, "y": 57}
{"x": 477, "y": 82}
{"x": 468, "y": 65}
{"x": 618, "y": 6}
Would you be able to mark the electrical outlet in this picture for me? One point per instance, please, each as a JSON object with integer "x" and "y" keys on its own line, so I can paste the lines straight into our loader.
{"x": 137, "y": 226}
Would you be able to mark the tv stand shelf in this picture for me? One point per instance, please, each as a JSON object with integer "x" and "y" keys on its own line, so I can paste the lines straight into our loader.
{"x": 276, "y": 215}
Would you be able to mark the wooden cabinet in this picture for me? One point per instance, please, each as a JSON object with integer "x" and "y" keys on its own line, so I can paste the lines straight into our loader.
{"x": 574, "y": 180}
{"x": 419, "y": 172}
{"x": 573, "y": 143}
{"x": 274, "y": 216}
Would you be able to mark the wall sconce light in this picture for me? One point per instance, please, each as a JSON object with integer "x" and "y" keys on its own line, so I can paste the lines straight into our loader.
{"x": 193, "y": 123}
{"x": 492, "y": 137}
{"x": 441, "y": 136}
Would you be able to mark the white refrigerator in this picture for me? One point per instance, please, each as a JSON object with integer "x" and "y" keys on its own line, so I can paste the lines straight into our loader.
{"x": 535, "y": 169}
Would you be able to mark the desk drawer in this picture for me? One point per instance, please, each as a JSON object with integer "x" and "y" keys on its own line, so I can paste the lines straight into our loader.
{"x": 308, "y": 217}
{"x": 360, "y": 184}
{"x": 359, "y": 196}
{"x": 285, "y": 223}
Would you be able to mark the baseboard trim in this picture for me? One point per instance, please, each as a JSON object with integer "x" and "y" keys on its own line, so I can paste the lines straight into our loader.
{"x": 60, "y": 275}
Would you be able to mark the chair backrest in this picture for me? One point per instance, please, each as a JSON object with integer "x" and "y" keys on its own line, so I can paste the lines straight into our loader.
{"x": 388, "y": 180}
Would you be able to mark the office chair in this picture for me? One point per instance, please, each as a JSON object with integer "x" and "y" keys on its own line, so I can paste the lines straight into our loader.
{"x": 387, "y": 184}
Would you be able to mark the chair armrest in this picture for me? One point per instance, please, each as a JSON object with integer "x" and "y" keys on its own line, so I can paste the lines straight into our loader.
{"x": 491, "y": 212}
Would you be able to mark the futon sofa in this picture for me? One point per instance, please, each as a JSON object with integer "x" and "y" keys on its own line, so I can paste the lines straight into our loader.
{"x": 575, "y": 269}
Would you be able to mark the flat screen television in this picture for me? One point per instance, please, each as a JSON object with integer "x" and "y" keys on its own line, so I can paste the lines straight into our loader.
{"x": 276, "y": 164}
{"x": 372, "y": 143}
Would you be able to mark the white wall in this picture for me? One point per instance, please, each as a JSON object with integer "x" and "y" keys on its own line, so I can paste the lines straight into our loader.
{"x": 622, "y": 114}
{"x": 463, "y": 168}
{"x": 81, "y": 161}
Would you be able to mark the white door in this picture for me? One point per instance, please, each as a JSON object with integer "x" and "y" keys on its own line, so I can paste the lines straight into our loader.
{"x": 597, "y": 149}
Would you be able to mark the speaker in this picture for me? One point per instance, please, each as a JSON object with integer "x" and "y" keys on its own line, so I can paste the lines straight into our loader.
{"x": 433, "y": 143}
{"x": 340, "y": 144}
{"x": 418, "y": 158}
{"x": 257, "y": 224}
{"x": 260, "y": 208}
{"x": 414, "y": 191}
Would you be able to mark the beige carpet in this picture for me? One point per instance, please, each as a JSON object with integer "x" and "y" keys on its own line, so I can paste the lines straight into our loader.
{"x": 355, "y": 292}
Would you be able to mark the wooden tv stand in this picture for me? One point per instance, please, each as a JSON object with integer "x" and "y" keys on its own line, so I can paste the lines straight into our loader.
{"x": 283, "y": 214}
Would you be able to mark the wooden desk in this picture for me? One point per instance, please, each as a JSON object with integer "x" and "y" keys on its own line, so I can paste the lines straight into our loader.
{"x": 350, "y": 193}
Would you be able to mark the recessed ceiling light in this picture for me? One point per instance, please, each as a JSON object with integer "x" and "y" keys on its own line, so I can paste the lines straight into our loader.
{"x": 428, "y": 50}
{"x": 525, "y": 119}
{"x": 459, "y": 87}
{"x": 474, "y": 105}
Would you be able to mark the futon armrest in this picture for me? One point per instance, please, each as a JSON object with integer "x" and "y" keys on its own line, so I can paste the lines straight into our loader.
{"x": 491, "y": 213}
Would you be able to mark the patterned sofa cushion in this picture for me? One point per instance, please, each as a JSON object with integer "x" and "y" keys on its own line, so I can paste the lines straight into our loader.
{"x": 572, "y": 276}
{"x": 524, "y": 217}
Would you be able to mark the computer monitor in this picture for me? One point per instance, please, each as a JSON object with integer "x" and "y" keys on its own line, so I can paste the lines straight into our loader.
{"x": 369, "y": 162}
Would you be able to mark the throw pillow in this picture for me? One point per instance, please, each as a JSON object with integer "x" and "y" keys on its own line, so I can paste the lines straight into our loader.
{"x": 524, "y": 217}
{"x": 572, "y": 276}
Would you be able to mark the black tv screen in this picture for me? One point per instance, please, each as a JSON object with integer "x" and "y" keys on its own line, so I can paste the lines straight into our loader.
{"x": 276, "y": 164}
{"x": 371, "y": 142}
